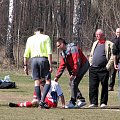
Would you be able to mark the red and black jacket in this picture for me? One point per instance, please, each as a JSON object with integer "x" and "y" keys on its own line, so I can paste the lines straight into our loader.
{"x": 73, "y": 59}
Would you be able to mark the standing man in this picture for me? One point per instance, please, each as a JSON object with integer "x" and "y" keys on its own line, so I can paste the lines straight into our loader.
{"x": 38, "y": 48}
{"x": 116, "y": 55}
{"x": 101, "y": 61}
{"x": 113, "y": 76}
{"x": 77, "y": 65}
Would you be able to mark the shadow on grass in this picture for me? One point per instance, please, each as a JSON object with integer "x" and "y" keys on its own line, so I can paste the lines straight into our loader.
{"x": 12, "y": 90}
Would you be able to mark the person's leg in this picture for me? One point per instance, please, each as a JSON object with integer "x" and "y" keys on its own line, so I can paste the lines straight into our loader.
{"x": 93, "y": 85}
{"x": 79, "y": 95}
{"x": 21, "y": 104}
{"x": 80, "y": 99}
{"x": 45, "y": 73}
{"x": 112, "y": 81}
{"x": 75, "y": 92}
{"x": 36, "y": 75}
{"x": 73, "y": 88}
{"x": 46, "y": 89}
{"x": 119, "y": 82}
{"x": 25, "y": 104}
{"x": 37, "y": 90}
{"x": 72, "y": 101}
{"x": 82, "y": 72}
{"x": 104, "y": 77}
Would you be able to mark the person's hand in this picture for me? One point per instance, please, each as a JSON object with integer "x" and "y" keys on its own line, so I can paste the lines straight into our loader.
{"x": 72, "y": 77}
{"x": 116, "y": 67}
{"x": 62, "y": 107}
{"x": 26, "y": 69}
{"x": 50, "y": 70}
{"x": 56, "y": 79}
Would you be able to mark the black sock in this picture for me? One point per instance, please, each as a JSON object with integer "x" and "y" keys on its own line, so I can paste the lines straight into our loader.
{"x": 45, "y": 91}
{"x": 38, "y": 92}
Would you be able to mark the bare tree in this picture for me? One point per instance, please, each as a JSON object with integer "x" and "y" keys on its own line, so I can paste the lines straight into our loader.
{"x": 75, "y": 20}
{"x": 9, "y": 41}
{"x": 78, "y": 20}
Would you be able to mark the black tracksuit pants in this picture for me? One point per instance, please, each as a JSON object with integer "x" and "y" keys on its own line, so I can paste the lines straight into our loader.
{"x": 112, "y": 78}
{"x": 97, "y": 75}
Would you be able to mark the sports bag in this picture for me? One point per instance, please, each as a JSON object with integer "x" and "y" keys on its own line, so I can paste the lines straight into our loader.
{"x": 7, "y": 85}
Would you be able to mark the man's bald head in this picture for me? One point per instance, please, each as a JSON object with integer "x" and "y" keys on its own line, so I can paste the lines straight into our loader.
{"x": 100, "y": 34}
{"x": 117, "y": 32}
{"x": 100, "y": 31}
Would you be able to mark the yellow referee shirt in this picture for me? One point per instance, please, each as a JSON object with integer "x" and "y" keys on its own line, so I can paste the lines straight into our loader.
{"x": 38, "y": 45}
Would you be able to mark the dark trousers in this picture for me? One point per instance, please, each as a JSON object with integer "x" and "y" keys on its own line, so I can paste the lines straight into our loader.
{"x": 75, "y": 92}
{"x": 112, "y": 79}
{"x": 97, "y": 75}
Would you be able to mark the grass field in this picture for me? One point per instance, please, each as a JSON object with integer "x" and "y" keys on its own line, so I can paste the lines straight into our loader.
{"x": 24, "y": 92}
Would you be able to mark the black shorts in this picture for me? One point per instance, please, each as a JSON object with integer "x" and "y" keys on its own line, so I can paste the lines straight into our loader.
{"x": 40, "y": 68}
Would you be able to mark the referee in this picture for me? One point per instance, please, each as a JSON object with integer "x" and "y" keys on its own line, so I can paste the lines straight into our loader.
{"x": 38, "y": 48}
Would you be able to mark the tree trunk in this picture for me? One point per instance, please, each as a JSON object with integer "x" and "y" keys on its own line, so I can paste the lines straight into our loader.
{"x": 77, "y": 21}
{"x": 9, "y": 42}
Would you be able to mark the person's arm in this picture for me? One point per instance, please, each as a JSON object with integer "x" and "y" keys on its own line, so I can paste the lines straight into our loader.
{"x": 49, "y": 51}
{"x": 76, "y": 62}
{"x": 60, "y": 70}
{"x": 62, "y": 101}
{"x": 27, "y": 55}
{"x": 115, "y": 62}
{"x": 109, "y": 55}
{"x": 115, "y": 51}
{"x": 92, "y": 52}
{"x": 50, "y": 61}
{"x": 25, "y": 65}
{"x": 60, "y": 94}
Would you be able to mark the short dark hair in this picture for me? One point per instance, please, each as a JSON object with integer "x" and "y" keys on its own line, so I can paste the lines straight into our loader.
{"x": 62, "y": 40}
{"x": 39, "y": 29}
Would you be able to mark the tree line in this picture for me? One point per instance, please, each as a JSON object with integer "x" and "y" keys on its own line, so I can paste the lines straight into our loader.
{"x": 74, "y": 20}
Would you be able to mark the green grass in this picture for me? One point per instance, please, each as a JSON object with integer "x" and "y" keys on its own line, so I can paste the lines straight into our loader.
{"x": 24, "y": 92}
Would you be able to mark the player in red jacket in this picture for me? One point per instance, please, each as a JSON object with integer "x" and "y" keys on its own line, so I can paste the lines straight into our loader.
{"x": 77, "y": 65}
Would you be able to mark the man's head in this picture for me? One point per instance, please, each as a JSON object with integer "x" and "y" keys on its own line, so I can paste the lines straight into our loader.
{"x": 100, "y": 34}
{"x": 38, "y": 30}
{"x": 61, "y": 44}
{"x": 117, "y": 32}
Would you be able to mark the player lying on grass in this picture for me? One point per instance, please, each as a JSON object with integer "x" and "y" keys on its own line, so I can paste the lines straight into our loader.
{"x": 51, "y": 99}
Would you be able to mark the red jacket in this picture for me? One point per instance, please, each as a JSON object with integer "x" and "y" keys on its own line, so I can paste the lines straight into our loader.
{"x": 74, "y": 59}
